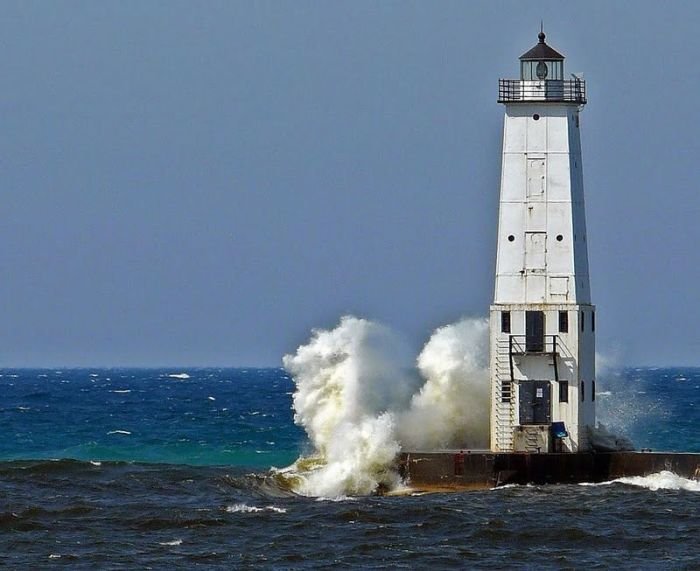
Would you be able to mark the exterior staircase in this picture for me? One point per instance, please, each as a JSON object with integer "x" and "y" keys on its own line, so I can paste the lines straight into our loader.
{"x": 504, "y": 397}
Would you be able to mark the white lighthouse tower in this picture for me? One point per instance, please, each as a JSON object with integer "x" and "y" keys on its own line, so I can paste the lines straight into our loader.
{"x": 542, "y": 320}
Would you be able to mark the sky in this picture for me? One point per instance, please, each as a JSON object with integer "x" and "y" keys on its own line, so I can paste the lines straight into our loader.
{"x": 202, "y": 183}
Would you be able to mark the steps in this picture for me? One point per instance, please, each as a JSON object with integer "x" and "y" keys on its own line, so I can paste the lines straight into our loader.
{"x": 504, "y": 398}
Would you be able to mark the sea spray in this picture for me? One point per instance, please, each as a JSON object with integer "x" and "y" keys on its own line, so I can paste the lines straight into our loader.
{"x": 360, "y": 401}
{"x": 348, "y": 382}
{"x": 452, "y": 408}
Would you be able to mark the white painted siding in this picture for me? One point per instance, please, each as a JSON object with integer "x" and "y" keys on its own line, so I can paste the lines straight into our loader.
{"x": 542, "y": 265}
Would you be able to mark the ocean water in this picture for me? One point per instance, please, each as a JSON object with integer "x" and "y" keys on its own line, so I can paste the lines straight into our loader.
{"x": 134, "y": 468}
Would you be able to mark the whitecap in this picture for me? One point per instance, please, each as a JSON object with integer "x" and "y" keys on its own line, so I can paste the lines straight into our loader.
{"x": 54, "y": 556}
{"x": 95, "y": 463}
{"x": 245, "y": 508}
{"x": 664, "y": 480}
{"x": 119, "y": 432}
{"x": 171, "y": 543}
{"x": 211, "y": 398}
{"x": 121, "y": 391}
{"x": 179, "y": 376}
{"x": 336, "y": 499}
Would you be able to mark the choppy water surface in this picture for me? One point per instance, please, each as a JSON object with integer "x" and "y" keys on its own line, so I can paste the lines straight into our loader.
{"x": 192, "y": 487}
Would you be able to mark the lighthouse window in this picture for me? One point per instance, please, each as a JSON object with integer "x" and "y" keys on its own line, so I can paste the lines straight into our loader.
{"x": 593, "y": 321}
{"x": 583, "y": 320}
{"x": 536, "y": 117}
{"x": 583, "y": 391}
{"x": 563, "y": 322}
{"x": 592, "y": 390}
{"x": 563, "y": 391}
{"x": 505, "y": 322}
{"x": 559, "y": 237}
{"x": 511, "y": 238}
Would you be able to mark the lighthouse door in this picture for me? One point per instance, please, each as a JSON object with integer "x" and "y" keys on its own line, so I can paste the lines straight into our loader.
{"x": 535, "y": 402}
{"x": 534, "y": 331}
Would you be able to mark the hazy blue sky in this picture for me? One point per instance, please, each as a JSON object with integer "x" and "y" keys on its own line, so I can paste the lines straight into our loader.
{"x": 203, "y": 182}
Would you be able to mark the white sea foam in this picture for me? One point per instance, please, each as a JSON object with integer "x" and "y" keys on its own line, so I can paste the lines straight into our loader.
{"x": 119, "y": 432}
{"x": 121, "y": 391}
{"x": 179, "y": 376}
{"x": 245, "y": 508}
{"x": 174, "y": 542}
{"x": 211, "y": 398}
{"x": 662, "y": 481}
{"x": 95, "y": 463}
{"x": 360, "y": 400}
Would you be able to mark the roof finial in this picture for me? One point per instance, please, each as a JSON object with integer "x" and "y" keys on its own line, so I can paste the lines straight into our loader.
{"x": 541, "y": 34}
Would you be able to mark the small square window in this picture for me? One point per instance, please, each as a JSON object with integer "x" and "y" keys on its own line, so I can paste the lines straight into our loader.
{"x": 505, "y": 322}
{"x": 563, "y": 322}
{"x": 563, "y": 391}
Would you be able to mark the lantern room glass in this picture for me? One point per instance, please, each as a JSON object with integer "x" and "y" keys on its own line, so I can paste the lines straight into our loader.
{"x": 554, "y": 70}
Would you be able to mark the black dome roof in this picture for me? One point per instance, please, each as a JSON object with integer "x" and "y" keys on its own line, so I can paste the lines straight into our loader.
{"x": 541, "y": 51}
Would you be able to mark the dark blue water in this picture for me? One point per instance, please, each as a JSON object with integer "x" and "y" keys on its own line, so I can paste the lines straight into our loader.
{"x": 173, "y": 471}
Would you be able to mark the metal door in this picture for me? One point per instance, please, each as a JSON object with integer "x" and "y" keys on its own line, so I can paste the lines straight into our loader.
{"x": 535, "y": 248}
{"x": 535, "y": 402}
{"x": 534, "y": 331}
{"x": 536, "y": 177}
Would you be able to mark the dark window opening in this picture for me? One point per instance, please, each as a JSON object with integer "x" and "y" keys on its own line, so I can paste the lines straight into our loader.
{"x": 536, "y": 117}
{"x": 593, "y": 321}
{"x": 583, "y": 320}
{"x": 563, "y": 391}
{"x": 511, "y": 238}
{"x": 583, "y": 391}
{"x": 559, "y": 237}
{"x": 592, "y": 390}
{"x": 563, "y": 322}
{"x": 505, "y": 322}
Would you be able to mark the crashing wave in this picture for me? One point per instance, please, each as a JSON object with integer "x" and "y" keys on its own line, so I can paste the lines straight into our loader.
{"x": 602, "y": 440}
{"x": 360, "y": 400}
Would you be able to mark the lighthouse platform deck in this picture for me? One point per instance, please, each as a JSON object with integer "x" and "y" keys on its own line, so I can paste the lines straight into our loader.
{"x": 456, "y": 470}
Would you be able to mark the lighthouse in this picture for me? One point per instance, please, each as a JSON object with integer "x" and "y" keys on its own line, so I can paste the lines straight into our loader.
{"x": 542, "y": 322}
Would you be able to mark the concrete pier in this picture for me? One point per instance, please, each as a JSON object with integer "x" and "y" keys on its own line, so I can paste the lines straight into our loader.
{"x": 452, "y": 470}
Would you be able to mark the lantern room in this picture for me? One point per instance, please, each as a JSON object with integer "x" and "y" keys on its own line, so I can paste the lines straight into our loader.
{"x": 542, "y": 79}
{"x": 542, "y": 63}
